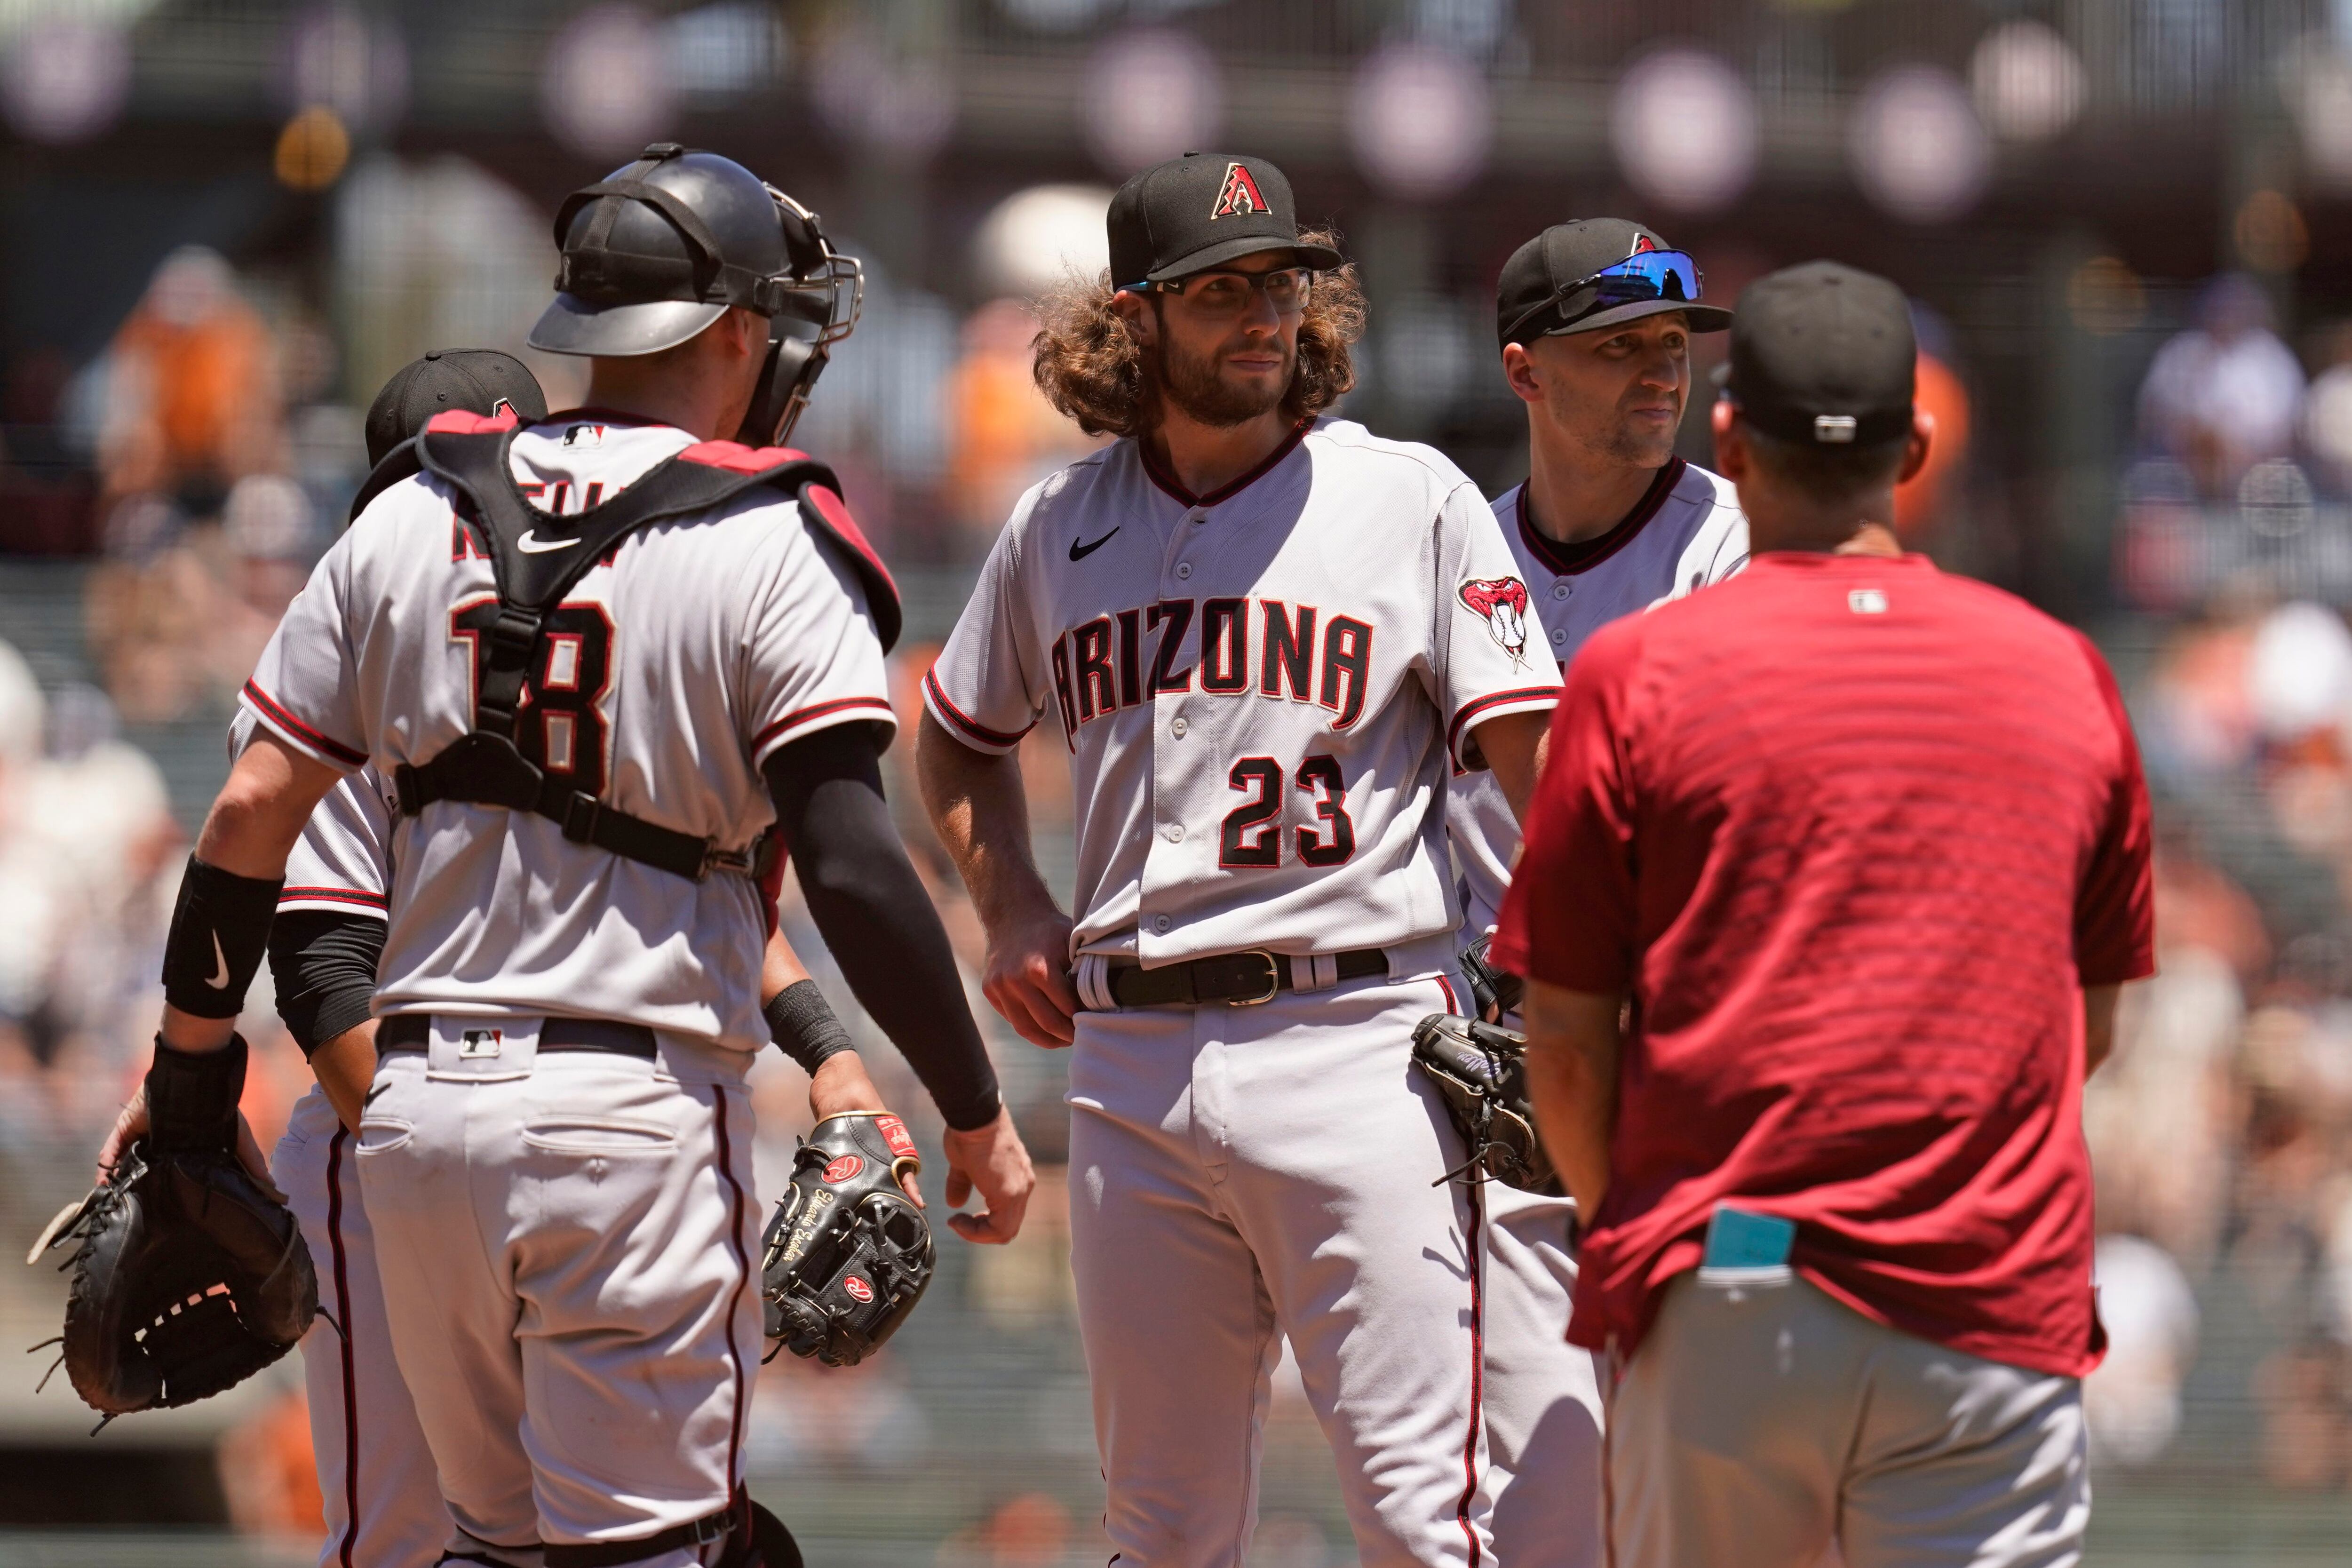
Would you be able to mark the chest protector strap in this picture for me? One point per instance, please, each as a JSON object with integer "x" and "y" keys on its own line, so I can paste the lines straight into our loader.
{"x": 537, "y": 559}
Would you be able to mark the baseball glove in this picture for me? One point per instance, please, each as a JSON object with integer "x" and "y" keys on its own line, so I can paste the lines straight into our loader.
{"x": 1480, "y": 1069}
{"x": 847, "y": 1255}
{"x": 189, "y": 1279}
{"x": 1495, "y": 994}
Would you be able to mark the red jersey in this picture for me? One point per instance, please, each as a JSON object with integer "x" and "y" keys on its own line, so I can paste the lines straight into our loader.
{"x": 1852, "y": 833}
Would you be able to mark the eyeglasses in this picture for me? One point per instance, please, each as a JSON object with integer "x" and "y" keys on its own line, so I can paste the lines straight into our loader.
{"x": 1230, "y": 293}
{"x": 1646, "y": 276}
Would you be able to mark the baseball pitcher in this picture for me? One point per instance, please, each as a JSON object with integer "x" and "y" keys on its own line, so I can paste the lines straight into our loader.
{"x": 1265, "y": 639}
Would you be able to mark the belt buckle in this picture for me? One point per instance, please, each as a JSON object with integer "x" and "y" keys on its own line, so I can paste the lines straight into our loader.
{"x": 1273, "y": 980}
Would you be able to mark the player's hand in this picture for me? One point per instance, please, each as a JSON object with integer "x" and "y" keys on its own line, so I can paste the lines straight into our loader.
{"x": 131, "y": 1126}
{"x": 840, "y": 1087}
{"x": 1028, "y": 978}
{"x": 992, "y": 1159}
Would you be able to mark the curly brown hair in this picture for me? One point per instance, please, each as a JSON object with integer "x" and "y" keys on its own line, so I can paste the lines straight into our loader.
{"x": 1090, "y": 366}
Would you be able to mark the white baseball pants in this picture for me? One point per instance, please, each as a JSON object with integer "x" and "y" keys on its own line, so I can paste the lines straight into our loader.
{"x": 1760, "y": 1420}
{"x": 383, "y": 1507}
{"x": 569, "y": 1265}
{"x": 1242, "y": 1173}
{"x": 1542, "y": 1393}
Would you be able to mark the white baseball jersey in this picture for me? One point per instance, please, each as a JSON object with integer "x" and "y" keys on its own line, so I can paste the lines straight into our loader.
{"x": 1263, "y": 689}
{"x": 1686, "y": 532}
{"x": 669, "y": 673}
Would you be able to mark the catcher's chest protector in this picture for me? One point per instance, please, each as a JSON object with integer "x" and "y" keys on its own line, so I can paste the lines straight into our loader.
{"x": 536, "y": 558}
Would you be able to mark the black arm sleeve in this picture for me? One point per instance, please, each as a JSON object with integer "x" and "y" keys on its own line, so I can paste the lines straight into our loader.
{"x": 323, "y": 964}
{"x": 876, "y": 918}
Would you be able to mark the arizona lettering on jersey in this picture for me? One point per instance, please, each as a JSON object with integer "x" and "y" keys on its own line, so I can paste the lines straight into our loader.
{"x": 1263, "y": 690}
{"x": 1131, "y": 657}
{"x": 1686, "y": 532}
{"x": 671, "y": 670}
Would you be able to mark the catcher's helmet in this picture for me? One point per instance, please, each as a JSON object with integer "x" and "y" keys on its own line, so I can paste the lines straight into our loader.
{"x": 656, "y": 251}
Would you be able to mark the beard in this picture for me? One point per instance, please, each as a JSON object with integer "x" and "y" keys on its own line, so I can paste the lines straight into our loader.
{"x": 1191, "y": 385}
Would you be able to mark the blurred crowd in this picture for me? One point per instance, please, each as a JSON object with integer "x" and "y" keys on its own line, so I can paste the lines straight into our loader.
{"x": 2241, "y": 470}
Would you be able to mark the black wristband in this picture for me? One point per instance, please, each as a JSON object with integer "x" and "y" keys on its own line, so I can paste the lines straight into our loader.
{"x": 220, "y": 933}
{"x": 803, "y": 1026}
{"x": 192, "y": 1098}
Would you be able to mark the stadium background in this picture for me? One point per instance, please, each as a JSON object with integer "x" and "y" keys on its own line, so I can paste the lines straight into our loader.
{"x": 2127, "y": 224}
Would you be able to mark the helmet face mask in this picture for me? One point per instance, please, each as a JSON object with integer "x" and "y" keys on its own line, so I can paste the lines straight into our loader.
{"x": 820, "y": 305}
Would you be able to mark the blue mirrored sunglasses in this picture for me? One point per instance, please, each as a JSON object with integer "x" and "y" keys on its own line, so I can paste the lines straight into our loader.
{"x": 1645, "y": 276}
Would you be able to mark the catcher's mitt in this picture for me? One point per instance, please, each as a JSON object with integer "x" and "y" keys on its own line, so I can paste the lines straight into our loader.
{"x": 1495, "y": 994}
{"x": 1480, "y": 1069}
{"x": 847, "y": 1254}
{"x": 189, "y": 1279}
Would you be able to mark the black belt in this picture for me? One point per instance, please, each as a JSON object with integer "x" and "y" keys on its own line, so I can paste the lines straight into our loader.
{"x": 710, "y": 1527}
{"x": 1239, "y": 979}
{"x": 414, "y": 1032}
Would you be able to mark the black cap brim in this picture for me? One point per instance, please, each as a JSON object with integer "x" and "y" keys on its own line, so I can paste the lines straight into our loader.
{"x": 1702, "y": 318}
{"x": 569, "y": 326}
{"x": 1321, "y": 257}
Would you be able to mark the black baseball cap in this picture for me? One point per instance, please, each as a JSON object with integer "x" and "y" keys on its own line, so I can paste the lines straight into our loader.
{"x": 1553, "y": 284}
{"x": 1201, "y": 211}
{"x": 1824, "y": 352}
{"x": 475, "y": 380}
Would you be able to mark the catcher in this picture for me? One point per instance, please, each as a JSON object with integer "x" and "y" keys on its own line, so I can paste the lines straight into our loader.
{"x": 582, "y": 1039}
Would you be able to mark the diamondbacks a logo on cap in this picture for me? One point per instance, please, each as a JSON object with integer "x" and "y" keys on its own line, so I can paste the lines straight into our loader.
{"x": 1238, "y": 197}
{"x": 1642, "y": 242}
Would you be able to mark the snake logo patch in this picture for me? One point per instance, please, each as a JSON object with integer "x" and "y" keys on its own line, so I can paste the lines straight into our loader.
{"x": 1503, "y": 600}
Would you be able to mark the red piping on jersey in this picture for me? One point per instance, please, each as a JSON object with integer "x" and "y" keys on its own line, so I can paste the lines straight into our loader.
{"x": 1166, "y": 482}
{"x": 1570, "y": 559}
{"x": 280, "y": 719}
{"x": 1493, "y": 700}
{"x": 735, "y": 1298}
{"x": 1477, "y": 1251}
{"x": 964, "y": 721}
{"x": 351, "y": 1373}
{"x": 818, "y": 711}
{"x": 366, "y": 900}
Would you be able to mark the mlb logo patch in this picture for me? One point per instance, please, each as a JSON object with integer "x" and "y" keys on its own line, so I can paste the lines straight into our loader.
{"x": 1867, "y": 600}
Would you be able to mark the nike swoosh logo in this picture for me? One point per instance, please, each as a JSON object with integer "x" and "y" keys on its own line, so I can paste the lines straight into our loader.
{"x": 219, "y": 981}
{"x": 1080, "y": 552}
{"x": 533, "y": 545}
